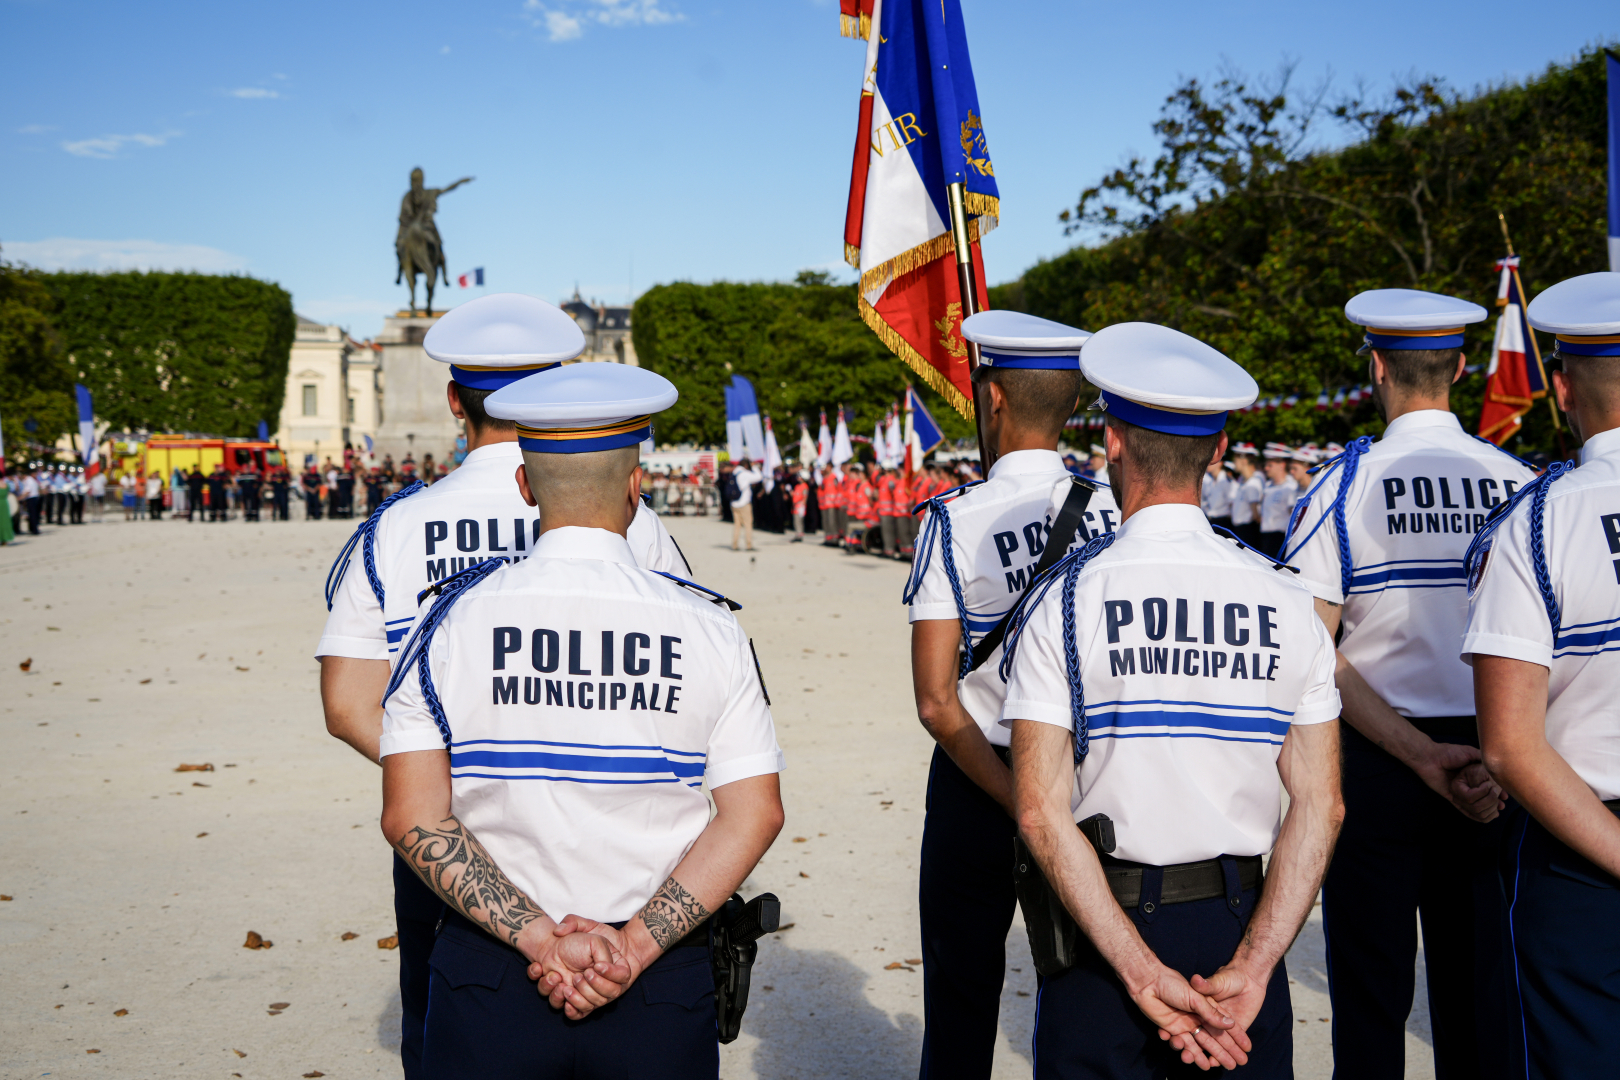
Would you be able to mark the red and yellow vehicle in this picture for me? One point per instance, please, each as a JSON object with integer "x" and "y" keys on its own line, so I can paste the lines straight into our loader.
{"x": 165, "y": 453}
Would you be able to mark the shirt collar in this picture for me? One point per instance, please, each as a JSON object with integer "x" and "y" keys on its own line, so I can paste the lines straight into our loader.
{"x": 500, "y": 453}
{"x": 1420, "y": 419}
{"x": 1165, "y": 518}
{"x": 1027, "y": 462}
{"x": 578, "y": 542}
{"x": 1603, "y": 444}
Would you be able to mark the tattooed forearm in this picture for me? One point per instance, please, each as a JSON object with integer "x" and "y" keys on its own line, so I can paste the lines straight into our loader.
{"x": 456, "y": 866}
{"x": 671, "y": 913}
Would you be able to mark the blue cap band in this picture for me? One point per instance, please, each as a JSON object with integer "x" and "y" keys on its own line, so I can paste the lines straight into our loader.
{"x": 1392, "y": 342}
{"x": 483, "y": 378}
{"x": 1038, "y": 362}
{"x": 1608, "y": 345}
{"x": 1171, "y": 423}
{"x": 632, "y": 432}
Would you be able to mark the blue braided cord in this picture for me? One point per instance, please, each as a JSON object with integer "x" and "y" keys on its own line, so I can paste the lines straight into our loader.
{"x": 922, "y": 551}
{"x": 702, "y": 589}
{"x": 1538, "y": 544}
{"x": 366, "y": 531}
{"x": 1351, "y": 462}
{"x": 947, "y": 551}
{"x": 449, "y": 590}
{"x": 946, "y": 494}
{"x": 1276, "y": 563}
{"x": 1071, "y": 663}
{"x": 1498, "y": 516}
{"x": 1038, "y": 589}
{"x": 430, "y": 695}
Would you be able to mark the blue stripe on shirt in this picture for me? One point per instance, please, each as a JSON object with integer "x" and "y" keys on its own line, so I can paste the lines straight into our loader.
{"x": 1163, "y": 718}
{"x": 572, "y": 763}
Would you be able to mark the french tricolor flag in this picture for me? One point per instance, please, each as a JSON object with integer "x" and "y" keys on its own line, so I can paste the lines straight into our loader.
{"x": 920, "y": 132}
{"x": 471, "y": 278}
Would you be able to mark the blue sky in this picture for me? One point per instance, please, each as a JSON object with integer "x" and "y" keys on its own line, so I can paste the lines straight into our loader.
{"x": 616, "y": 143}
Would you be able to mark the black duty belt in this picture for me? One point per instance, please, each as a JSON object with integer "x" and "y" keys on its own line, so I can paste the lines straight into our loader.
{"x": 1183, "y": 882}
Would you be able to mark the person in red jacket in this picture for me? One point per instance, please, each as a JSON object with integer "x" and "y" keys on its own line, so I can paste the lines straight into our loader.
{"x": 831, "y": 497}
{"x": 889, "y": 494}
{"x": 801, "y": 499}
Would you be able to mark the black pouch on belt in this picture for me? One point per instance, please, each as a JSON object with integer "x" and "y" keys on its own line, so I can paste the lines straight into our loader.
{"x": 1055, "y": 940}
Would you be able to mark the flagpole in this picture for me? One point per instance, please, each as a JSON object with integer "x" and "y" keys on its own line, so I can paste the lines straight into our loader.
{"x": 970, "y": 304}
{"x": 1552, "y": 403}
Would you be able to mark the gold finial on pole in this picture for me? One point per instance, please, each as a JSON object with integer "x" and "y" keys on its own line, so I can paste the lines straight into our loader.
{"x": 1502, "y": 220}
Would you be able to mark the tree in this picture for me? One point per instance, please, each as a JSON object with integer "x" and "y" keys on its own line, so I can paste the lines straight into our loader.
{"x": 36, "y": 386}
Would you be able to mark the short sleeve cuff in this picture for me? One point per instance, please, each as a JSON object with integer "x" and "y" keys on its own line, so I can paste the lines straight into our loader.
{"x": 1531, "y": 652}
{"x": 1039, "y": 711}
{"x": 405, "y": 742}
{"x": 728, "y": 772}
{"x": 927, "y": 612}
{"x": 1318, "y": 712}
{"x": 1333, "y": 594}
{"x": 354, "y": 647}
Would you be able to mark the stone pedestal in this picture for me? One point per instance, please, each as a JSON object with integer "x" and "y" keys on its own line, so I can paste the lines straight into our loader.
{"x": 415, "y": 417}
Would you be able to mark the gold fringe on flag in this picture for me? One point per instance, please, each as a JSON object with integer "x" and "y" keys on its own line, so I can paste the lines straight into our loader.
{"x": 852, "y": 254}
{"x": 915, "y": 360}
{"x": 983, "y": 206}
{"x": 851, "y": 26}
{"x": 905, "y": 262}
{"x": 1521, "y": 405}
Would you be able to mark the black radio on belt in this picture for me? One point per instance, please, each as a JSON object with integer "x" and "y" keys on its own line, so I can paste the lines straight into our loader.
{"x": 737, "y": 928}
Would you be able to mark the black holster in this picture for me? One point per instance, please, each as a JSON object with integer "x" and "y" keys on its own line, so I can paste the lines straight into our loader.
{"x": 1055, "y": 940}
{"x": 734, "y": 942}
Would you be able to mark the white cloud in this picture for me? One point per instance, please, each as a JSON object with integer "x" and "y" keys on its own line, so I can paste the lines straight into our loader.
{"x": 253, "y": 92}
{"x": 63, "y": 253}
{"x": 35, "y": 129}
{"x": 565, "y": 20}
{"x": 109, "y": 145}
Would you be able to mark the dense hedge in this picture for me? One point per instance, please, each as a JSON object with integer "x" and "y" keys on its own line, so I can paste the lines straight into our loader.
{"x": 803, "y": 345}
{"x": 1239, "y": 234}
{"x": 36, "y": 386}
{"x": 176, "y": 352}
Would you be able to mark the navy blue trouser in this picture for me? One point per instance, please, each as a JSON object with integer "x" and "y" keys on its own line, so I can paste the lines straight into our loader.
{"x": 416, "y": 917}
{"x": 1405, "y": 852}
{"x": 966, "y": 902}
{"x": 1088, "y": 1028}
{"x": 1564, "y": 918}
{"x": 487, "y": 1020}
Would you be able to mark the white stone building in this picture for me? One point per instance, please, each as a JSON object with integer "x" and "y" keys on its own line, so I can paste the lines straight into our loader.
{"x": 334, "y": 394}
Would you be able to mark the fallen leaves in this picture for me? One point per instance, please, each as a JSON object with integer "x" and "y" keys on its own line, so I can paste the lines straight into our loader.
{"x": 348, "y": 935}
{"x": 201, "y": 835}
{"x": 803, "y": 874}
{"x": 26, "y": 665}
{"x": 207, "y": 766}
{"x": 239, "y": 667}
{"x": 1022, "y": 993}
{"x": 92, "y": 1051}
{"x": 917, "y": 961}
{"x": 3, "y": 896}
{"x": 280, "y": 1005}
{"x": 786, "y": 926}
{"x": 313, "y": 1073}
{"x": 897, "y": 966}
{"x": 239, "y": 1053}
{"x": 801, "y": 839}
{"x": 58, "y": 629}
{"x": 389, "y": 942}
{"x": 145, "y": 681}
{"x": 254, "y": 941}
{"x": 199, "y": 783}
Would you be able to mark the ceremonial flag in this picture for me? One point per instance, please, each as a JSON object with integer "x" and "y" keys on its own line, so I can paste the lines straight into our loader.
{"x": 1515, "y": 377}
{"x": 87, "y": 425}
{"x": 824, "y": 442}
{"x": 773, "y": 456}
{"x": 807, "y": 447}
{"x": 855, "y": 18}
{"x": 734, "y": 441}
{"x": 264, "y": 431}
{"x": 920, "y": 131}
{"x": 753, "y": 436}
{"x": 1612, "y": 66}
{"x": 922, "y": 433}
{"x": 471, "y": 278}
{"x": 841, "y": 449}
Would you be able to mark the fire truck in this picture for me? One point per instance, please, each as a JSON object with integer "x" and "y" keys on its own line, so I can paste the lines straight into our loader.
{"x": 165, "y": 453}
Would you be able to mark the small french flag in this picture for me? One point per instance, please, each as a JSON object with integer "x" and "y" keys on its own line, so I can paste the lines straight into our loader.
{"x": 471, "y": 278}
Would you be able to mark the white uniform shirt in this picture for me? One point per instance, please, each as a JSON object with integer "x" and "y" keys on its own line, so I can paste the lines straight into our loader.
{"x": 473, "y": 514}
{"x": 1507, "y": 617}
{"x": 579, "y": 744}
{"x": 1216, "y": 494}
{"x": 1195, "y": 657}
{"x": 746, "y": 479}
{"x": 1246, "y": 500}
{"x": 30, "y": 488}
{"x": 1277, "y": 505}
{"x": 998, "y": 532}
{"x": 1419, "y": 495}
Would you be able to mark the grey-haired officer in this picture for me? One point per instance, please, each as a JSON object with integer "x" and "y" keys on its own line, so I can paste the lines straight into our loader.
{"x": 1542, "y": 634}
{"x": 1379, "y": 540}
{"x": 975, "y": 558}
{"x": 561, "y": 816}
{"x": 424, "y": 535}
{"x": 1175, "y": 682}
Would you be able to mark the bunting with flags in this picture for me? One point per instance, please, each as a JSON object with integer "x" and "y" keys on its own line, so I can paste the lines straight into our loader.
{"x": 920, "y": 130}
{"x": 1515, "y": 377}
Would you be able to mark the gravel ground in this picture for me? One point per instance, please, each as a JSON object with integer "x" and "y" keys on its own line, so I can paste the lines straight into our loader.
{"x": 133, "y": 886}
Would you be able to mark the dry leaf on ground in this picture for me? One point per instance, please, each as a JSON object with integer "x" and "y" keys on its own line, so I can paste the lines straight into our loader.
{"x": 897, "y": 966}
{"x": 254, "y": 941}
{"x": 26, "y": 664}
{"x": 801, "y": 839}
{"x": 389, "y": 942}
{"x": 313, "y": 1073}
{"x": 201, "y": 835}
{"x": 121, "y": 1012}
{"x": 3, "y": 896}
{"x": 239, "y": 1053}
{"x": 348, "y": 935}
{"x": 92, "y": 1051}
{"x": 206, "y": 766}
{"x": 803, "y": 874}
{"x": 281, "y": 1004}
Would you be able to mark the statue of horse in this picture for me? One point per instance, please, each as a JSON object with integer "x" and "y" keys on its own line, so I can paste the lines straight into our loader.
{"x": 417, "y": 245}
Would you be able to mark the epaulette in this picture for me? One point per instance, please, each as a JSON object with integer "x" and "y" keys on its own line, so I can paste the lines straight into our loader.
{"x": 365, "y": 535}
{"x": 1276, "y": 564}
{"x": 438, "y": 587}
{"x": 713, "y": 597}
{"x": 1504, "y": 450}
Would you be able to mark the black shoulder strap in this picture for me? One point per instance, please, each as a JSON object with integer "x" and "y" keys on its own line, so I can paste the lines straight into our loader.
{"x": 1057, "y": 545}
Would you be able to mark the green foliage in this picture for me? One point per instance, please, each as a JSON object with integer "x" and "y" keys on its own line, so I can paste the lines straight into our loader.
{"x": 1240, "y": 234}
{"x": 176, "y": 352}
{"x": 803, "y": 345}
{"x": 35, "y": 382}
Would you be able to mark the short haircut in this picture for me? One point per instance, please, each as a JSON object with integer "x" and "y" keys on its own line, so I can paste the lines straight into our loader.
{"x": 1041, "y": 398}
{"x": 580, "y": 484}
{"x": 1594, "y": 380}
{"x": 1157, "y": 460}
{"x": 472, "y": 403}
{"x": 1421, "y": 371}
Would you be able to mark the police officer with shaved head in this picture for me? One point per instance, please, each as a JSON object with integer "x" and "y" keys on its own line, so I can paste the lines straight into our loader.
{"x": 1166, "y": 684}
{"x": 422, "y": 535}
{"x": 550, "y": 733}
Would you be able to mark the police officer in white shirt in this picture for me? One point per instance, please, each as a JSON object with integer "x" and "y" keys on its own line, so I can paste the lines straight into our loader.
{"x": 424, "y": 535}
{"x": 1541, "y": 635}
{"x": 1277, "y": 498}
{"x": 1379, "y": 540}
{"x": 1217, "y": 492}
{"x": 1098, "y": 463}
{"x": 1176, "y": 683}
{"x": 975, "y": 558}
{"x": 1246, "y": 499}
{"x": 548, "y": 737}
